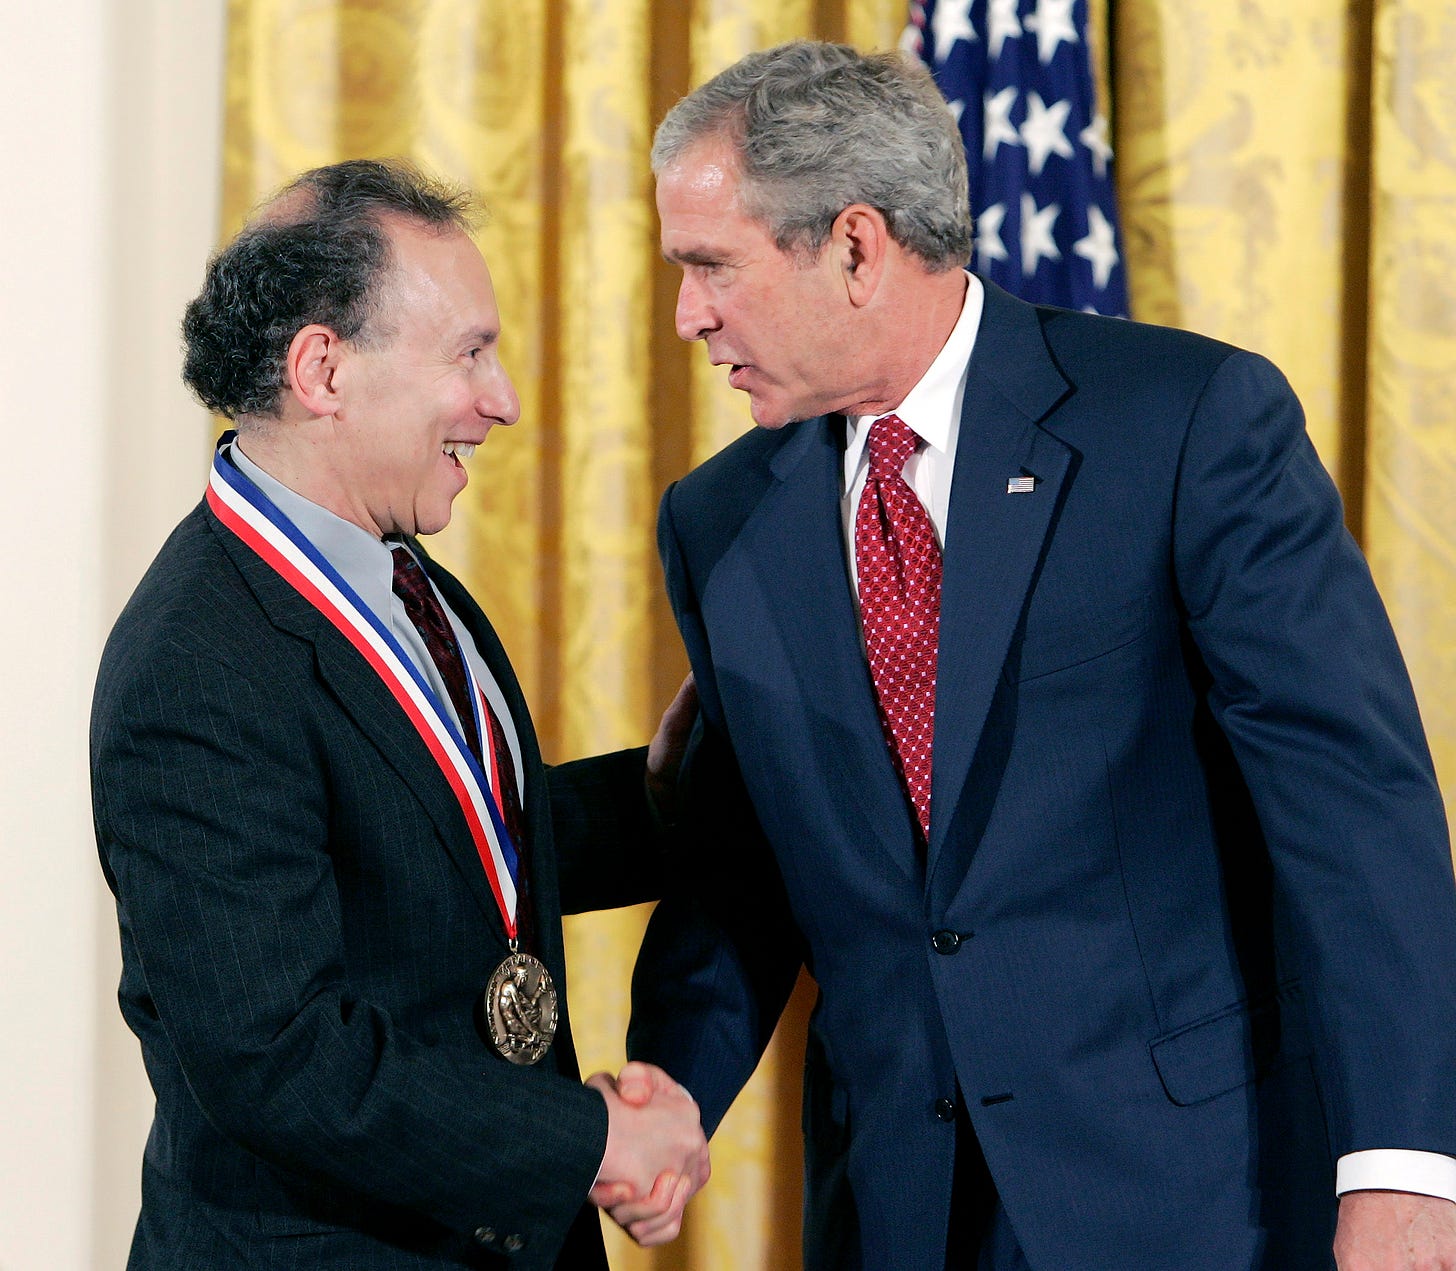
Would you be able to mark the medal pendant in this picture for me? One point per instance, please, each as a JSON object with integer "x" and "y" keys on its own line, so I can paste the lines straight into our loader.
{"x": 520, "y": 1009}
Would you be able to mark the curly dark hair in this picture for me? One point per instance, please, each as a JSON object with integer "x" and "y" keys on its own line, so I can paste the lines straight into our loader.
{"x": 316, "y": 252}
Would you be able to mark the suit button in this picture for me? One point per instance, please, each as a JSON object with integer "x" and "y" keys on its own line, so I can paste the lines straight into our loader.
{"x": 485, "y": 1235}
{"x": 513, "y": 1243}
{"x": 945, "y": 1109}
{"x": 946, "y": 942}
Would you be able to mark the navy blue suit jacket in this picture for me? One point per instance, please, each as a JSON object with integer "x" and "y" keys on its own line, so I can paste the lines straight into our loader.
{"x": 306, "y": 930}
{"x": 1186, "y": 928}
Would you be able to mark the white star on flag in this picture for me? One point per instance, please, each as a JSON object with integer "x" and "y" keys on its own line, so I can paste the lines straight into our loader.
{"x": 950, "y": 22}
{"x": 1037, "y": 242}
{"x": 988, "y": 233}
{"x": 1044, "y": 131}
{"x": 1052, "y": 23}
{"x": 1094, "y": 137}
{"x": 1099, "y": 247}
{"x": 912, "y": 38}
{"x": 1001, "y": 24}
{"x": 1019, "y": 79}
{"x": 999, "y": 127}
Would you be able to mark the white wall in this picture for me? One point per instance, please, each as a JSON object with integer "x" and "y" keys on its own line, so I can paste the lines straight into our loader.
{"x": 110, "y": 120}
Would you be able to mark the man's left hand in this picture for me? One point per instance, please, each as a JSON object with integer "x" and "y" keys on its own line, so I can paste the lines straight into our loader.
{"x": 665, "y": 753}
{"x": 1395, "y": 1231}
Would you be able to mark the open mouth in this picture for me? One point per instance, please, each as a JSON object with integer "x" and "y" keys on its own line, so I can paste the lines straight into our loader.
{"x": 458, "y": 450}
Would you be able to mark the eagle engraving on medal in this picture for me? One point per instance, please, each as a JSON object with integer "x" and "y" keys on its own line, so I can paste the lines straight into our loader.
{"x": 520, "y": 1008}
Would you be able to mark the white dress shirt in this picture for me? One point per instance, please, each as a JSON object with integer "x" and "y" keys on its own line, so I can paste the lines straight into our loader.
{"x": 932, "y": 410}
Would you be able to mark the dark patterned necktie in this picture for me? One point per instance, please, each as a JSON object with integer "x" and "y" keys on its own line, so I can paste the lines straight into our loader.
{"x": 897, "y": 561}
{"x": 428, "y": 615}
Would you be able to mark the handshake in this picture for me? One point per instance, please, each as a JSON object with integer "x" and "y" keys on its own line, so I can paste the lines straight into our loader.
{"x": 657, "y": 1154}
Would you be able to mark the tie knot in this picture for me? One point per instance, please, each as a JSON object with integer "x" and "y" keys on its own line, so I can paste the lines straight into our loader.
{"x": 413, "y": 587}
{"x": 409, "y": 578}
{"x": 891, "y": 443}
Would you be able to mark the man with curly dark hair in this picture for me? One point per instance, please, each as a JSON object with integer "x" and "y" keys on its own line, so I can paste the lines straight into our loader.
{"x": 339, "y": 861}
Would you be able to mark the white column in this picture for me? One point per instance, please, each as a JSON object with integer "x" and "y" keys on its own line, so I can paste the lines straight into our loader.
{"x": 109, "y": 127}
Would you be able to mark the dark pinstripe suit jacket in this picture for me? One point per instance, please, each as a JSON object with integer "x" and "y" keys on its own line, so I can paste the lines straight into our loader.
{"x": 306, "y": 930}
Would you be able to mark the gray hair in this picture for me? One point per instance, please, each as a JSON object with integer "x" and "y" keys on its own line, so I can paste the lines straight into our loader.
{"x": 820, "y": 126}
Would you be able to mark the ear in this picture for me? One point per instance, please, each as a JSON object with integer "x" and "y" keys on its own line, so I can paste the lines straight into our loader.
{"x": 314, "y": 355}
{"x": 862, "y": 241}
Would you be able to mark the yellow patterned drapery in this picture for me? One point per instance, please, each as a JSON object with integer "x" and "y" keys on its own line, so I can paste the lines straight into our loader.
{"x": 1288, "y": 182}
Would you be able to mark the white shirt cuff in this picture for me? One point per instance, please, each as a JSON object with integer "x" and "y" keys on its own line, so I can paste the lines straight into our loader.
{"x": 1397, "y": 1170}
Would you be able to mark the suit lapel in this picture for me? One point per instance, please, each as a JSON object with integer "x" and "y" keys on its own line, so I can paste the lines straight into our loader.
{"x": 994, "y": 541}
{"x": 369, "y": 703}
{"x": 814, "y": 608}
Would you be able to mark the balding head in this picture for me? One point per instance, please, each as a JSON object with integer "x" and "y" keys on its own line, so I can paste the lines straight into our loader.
{"x": 316, "y": 252}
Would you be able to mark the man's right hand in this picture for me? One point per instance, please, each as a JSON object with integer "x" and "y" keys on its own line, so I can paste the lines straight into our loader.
{"x": 656, "y": 1157}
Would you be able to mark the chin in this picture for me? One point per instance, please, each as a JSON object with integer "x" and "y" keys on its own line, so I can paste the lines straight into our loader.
{"x": 766, "y": 416}
{"x": 433, "y": 523}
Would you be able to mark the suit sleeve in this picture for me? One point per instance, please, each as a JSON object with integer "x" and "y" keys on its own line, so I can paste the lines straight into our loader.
{"x": 721, "y": 952}
{"x": 609, "y": 846}
{"x": 1310, "y": 690}
{"x": 214, "y": 817}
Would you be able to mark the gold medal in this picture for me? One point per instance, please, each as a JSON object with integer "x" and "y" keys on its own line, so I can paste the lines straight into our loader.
{"x": 520, "y": 1008}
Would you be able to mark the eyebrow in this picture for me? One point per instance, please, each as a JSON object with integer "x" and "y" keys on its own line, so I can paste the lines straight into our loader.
{"x": 693, "y": 256}
{"x": 480, "y": 336}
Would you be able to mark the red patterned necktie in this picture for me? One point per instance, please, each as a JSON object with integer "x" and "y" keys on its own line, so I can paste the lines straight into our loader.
{"x": 897, "y": 561}
{"x": 428, "y": 615}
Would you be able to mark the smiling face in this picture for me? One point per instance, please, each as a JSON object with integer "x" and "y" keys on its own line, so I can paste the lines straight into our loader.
{"x": 777, "y": 320}
{"x": 419, "y": 396}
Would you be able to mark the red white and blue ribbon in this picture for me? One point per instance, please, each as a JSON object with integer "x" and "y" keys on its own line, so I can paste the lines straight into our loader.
{"x": 241, "y": 506}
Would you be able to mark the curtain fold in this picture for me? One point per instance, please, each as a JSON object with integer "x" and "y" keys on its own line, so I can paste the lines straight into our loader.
{"x": 1410, "y": 494}
{"x": 1287, "y": 177}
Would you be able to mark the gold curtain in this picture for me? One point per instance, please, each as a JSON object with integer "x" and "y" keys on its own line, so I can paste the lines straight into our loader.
{"x": 1288, "y": 182}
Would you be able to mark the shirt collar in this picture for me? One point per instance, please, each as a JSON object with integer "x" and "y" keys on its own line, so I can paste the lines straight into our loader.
{"x": 362, "y": 560}
{"x": 932, "y": 409}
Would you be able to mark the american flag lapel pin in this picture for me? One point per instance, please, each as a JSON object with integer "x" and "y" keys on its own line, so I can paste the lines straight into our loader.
{"x": 1020, "y": 485}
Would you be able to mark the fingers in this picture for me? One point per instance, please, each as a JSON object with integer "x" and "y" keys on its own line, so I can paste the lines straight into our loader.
{"x": 638, "y": 1083}
{"x": 659, "y": 1218}
{"x": 658, "y": 1231}
{"x": 610, "y": 1195}
{"x": 603, "y": 1082}
{"x": 701, "y": 1170}
{"x": 684, "y": 702}
{"x": 665, "y": 751}
{"x": 656, "y": 1156}
{"x": 648, "y": 1209}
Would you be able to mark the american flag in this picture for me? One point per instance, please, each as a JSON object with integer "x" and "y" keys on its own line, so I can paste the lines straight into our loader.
{"x": 1018, "y": 78}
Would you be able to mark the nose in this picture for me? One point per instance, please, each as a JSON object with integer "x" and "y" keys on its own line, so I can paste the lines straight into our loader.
{"x": 694, "y": 317}
{"x": 496, "y": 399}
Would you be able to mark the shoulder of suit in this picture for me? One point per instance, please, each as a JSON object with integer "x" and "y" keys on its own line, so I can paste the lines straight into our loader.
{"x": 746, "y": 460}
{"x": 1122, "y": 346}
{"x": 193, "y": 596}
{"x": 712, "y": 501}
